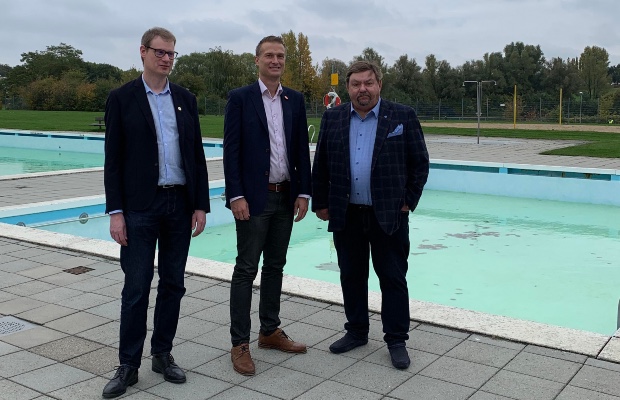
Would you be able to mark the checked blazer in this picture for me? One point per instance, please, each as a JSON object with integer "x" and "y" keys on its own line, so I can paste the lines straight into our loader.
{"x": 399, "y": 168}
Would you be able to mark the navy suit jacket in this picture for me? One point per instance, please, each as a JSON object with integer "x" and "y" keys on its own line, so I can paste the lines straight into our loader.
{"x": 131, "y": 168}
{"x": 246, "y": 146}
{"x": 399, "y": 168}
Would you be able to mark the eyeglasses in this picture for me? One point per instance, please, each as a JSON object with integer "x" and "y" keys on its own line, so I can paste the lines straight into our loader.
{"x": 159, "y": 53}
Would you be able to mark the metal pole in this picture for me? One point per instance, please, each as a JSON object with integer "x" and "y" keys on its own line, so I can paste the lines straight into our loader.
{"x": 478, "y": 92}
{"x": 580, "y": 104}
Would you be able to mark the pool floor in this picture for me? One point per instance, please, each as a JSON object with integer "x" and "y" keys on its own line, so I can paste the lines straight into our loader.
{"x": 545, "y": 261}
{"x": 15, "y": 161}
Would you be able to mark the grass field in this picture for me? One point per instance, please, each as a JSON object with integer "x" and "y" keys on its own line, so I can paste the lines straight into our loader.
{"x": 600, "y": 144}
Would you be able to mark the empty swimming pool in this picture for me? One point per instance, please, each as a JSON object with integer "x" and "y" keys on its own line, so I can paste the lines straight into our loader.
{"x": 539, "y": 260}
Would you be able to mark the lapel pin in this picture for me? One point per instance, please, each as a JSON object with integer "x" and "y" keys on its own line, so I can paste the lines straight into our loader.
{"x": 286, "y": 97}
{"x": 179, "y": 108}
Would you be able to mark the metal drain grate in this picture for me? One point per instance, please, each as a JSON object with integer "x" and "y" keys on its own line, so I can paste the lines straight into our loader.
{"x": 10, "y": 325}
{"x": 78, "y": 270}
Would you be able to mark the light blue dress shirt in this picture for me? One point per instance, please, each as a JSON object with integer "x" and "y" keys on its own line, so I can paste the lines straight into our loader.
{"x": 362, "y": 134}
{"x": 169, "y": 152}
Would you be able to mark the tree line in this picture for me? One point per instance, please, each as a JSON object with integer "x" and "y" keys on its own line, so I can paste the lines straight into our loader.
{"x": 59, "y": 79}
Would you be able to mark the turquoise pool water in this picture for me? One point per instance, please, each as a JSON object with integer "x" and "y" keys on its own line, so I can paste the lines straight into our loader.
{"x": 539, "y": 260}
{"x": 15, "y": 161}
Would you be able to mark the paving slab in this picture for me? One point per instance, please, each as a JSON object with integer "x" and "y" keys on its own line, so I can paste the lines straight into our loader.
{"x": 598, "y": 380}
{"x": 372, "y": 377}
{"x": 19, "y": 305}
{"x": 86, "y": 390}
{"x": 422, "y": 387}
{"x": 52, "y": 377}
{"x": 66, "y": 348}
{"x": 29, "y": 288}
{"x": 39, "y": 270}
{"x": 197, "y": 387}
{"x": 282, "y": 382}
{"x": 336, "y": 390}
{"x": 78, "y": 322}
{"x": 14, "y": 391}
{"x": 464, "y": 373}
{"x": 238, "y": 392}
{"x": 98, "y": 362}
{"x": 20, "y": 362}
{"x": 33, "y": 337}
{"x": 543, "y": 367}
{"x": 522, "y": 387}
{"x": 482, "y": 353}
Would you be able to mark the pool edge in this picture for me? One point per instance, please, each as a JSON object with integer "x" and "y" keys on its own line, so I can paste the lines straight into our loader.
{"x": 566, "y": 339}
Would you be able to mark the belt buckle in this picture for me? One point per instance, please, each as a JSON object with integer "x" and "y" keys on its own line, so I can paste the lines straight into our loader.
{"x": 278, "y": 186}
{"x": 167, "y": 186}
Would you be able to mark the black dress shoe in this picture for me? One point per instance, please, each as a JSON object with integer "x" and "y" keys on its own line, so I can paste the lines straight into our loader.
{"x": 346, "y": 343}
{"x": 400, "y": 357}
{"x": 164, "y": 364}
{"x": 124, "y": 376}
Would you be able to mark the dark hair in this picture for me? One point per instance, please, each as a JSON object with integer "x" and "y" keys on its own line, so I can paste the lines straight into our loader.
{"x": 362, "y": 66}
{"x": 157, "y": 31}
{"x": 269, "y": 39}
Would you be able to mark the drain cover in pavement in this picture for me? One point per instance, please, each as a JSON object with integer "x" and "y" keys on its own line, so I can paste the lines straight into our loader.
{"x": 78, "y": 270}
{"x": 10, "y": 325}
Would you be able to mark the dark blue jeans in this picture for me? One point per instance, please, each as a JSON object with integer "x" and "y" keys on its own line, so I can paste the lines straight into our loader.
{"x": 267, "y": 234}
{"x": 167, "y": 223}
{"x": 363, "y": 235}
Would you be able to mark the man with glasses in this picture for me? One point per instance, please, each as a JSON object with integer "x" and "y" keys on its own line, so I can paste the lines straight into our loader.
{"x": 157, "y": 193}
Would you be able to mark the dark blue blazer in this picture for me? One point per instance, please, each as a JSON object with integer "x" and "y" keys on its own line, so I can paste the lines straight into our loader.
{"x": 246, "y": 146}
{"x": 399, "y": 165}
{"x": 131, "y": 168}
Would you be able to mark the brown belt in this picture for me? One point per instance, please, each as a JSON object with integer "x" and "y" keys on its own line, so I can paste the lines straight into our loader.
{"x": 279, "y": 187}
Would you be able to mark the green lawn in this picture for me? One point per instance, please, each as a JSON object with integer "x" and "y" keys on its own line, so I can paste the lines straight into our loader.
{"x": 599, "y": 144}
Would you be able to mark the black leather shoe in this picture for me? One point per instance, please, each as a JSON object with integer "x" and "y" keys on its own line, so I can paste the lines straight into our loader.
{"x": 400, "y": 357}
{"x": 164, "y": 364}
{"x": 346, "y": 343}
{"x": 124, "y": 376}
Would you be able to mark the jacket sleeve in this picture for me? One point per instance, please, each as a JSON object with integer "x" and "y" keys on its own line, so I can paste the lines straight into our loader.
{"x": 114, "y": 158}
{"x": 417, "y": 160}
{"x": 320, "y": 168}
{"x": 201, "y": 196}
{"x": 232, "y": 146}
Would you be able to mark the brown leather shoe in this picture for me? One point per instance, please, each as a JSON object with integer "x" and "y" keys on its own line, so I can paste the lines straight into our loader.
{"x": 242, "y": 360}
{"x": 280, "y": 341}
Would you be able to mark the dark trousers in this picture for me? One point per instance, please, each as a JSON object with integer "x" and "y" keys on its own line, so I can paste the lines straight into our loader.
{"x": 167, "y": 223}
{"x": 268, "y": 233}
{"x": 363, "y": 235}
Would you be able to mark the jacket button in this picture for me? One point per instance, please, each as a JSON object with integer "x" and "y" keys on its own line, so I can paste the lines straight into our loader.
{"x": 266, "y": 173}
{"x": 156, "y": 164}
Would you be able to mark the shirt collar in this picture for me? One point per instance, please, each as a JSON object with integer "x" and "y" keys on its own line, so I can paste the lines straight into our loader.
{"x": 149, "y": 90}
{"x": 263, "y": 87}
{"x": 374, "y": 111}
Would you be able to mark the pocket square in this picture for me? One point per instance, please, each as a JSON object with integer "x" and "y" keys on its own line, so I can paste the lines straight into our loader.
{"x": 396, "y": 132}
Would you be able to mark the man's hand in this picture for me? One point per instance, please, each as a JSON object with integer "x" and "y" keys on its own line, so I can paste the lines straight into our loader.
{"x": 405, "y": 208}
{"x": 118, "y": 229}
{"x": 240, "y": 209}
{"x": 300, "y": 208}
{"x": 323, "y": 214}
{"x": 199, "y": 221}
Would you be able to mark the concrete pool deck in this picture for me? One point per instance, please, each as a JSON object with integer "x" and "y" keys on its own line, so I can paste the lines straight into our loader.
{"x": 71, "y": 349}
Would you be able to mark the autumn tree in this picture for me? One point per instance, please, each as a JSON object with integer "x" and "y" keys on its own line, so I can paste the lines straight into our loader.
{"x": 593, "y": 67}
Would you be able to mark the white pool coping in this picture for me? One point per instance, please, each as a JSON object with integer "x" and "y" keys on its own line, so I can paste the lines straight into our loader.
{"x": 566, "y": 339}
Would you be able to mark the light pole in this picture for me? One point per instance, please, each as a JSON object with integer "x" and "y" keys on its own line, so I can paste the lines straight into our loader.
{"x": 478, "y": 99}
{"x": 580, "y": 103}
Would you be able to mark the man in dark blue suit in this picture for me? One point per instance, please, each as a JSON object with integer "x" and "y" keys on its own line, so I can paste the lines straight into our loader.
{"x": 369, "y": 170}
{"x": 157, "y": 192}
{"x": 268, "y": 184}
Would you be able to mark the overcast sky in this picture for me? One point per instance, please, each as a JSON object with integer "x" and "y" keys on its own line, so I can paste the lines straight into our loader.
{"x": 109, "y": 31}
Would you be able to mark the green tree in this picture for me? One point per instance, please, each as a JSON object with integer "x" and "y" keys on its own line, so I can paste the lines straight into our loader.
{"x": 593, "y": 66}
{"x": 406, "y": 84}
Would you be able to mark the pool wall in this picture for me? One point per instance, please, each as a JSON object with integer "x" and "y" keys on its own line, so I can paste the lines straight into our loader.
{"x": 581, "y": 185}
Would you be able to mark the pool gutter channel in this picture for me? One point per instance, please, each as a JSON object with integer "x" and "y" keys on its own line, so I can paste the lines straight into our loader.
{"x": 566, "y": 339}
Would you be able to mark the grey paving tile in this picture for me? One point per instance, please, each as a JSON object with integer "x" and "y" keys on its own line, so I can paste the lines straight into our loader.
{"x": 336, "y": 307}
{"x": 37, "y": 271}
{"x": 30, "y": 288}
{"x": 283, "y": 383}
{"x": 419, "y": 359}
{"x": 562, "y": 355}
{"x": 13, "y": 391}
{"x": 78, "y": 322}
{"x": 216, "y": 312}
{"x": 372, "y": 377}
{"x": 88, "y": 389}
{"x": 194, "y": 284}
{"x": 110, "y": 310}
{"x": 5, "y": 258}
{"x": 603, "y": 364}
{"x": 111, "y": 291}
{"x": 85, "y": 301}
{"x": 56, "y": 295}
{"x": 443, "y": 331}
{"x": 598, "y": 380}
{"x": 30, "y": 252}
{"x": 308, "y": 334}
{"x": 522, "y": 387}
{"x": 326, "y": 319}
{"x": 6, "y": 296}
{"x": 496, "y": 342}
{"x": 9, "y": 279}
{"x": 51, "y": 258}
{"x": 6, "y": 348}
{"x": 142, "y": 396}
{"x": 216, "y": 294}
{"x": 461, "y": 372}
{"x": 431, "y": 342}
{"x": 543, "y": 367}
{"x": 97, "y": 362}
{"x": 72, "y": 262}
{"x": 64, "y": 278}
{"x": 421, "y": 387}
{"x": 52, "y": 377}
{"x": 319, "y": 363}
{"x": 192, "y": 305}
{"x": 19, "y": 265}
{"x": 309, "y": 302}
{"x": 481, "y": 353}
{"x": 297, "y": 311}
{"x": 20, "y": 362}
{"x": 33, "y": 337}
{"x": 92, "y": 283}
{"x": 336, "y": 390}
{"x": 190, "y": 327}
{"x": 19, "y": 305}
{"x": 190, "y": 355}
{"x": 106, "y": 334}
{"x": 487, "y": 396}
{"x": 198, "y": 387}
{"x": 46, "y": 313}
{"x": 221, "y": 368}
{"x": 358, "y": 352}
{"x": 102, "y": 267}
{"x": 238, "y": 392}
{"x": 116, "y": 275}
{"x": 66, "y": 348}
{"x": 12, "y": 247}
{"x": 575, "y": 393}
